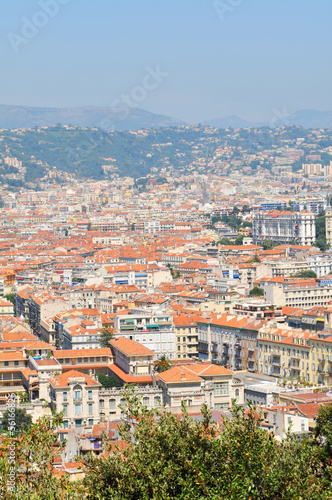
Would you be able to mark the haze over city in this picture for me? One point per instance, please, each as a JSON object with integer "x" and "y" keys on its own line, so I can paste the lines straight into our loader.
{"x": 222, "y": 58}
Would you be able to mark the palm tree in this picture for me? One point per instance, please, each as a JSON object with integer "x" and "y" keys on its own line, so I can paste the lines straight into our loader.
{"x": 162, "y": 364}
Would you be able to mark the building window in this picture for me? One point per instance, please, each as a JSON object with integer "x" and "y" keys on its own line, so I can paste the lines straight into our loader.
{"x": 90, "y": 421}
{"x": 65, "y": 424}
{"x": 6, "y": 363}
{"x": 86, "y": 360}
{"x": 16, "y": 363}
{"x": 221, "y": 406}
{"x": 101, "y": 403}
{"x": 67, "y": 360}
{"x": 65, "y": 409}
{"x": 146, "y": 401}
{"x": 89, "y": 394}
{"x": 78, "y": 409}
{"x": 221, "y": 388}
{"x": 157, "y": 400}
{"x": 98, "y": 358}
{"x": 103, "y": 358}
{"x": 90, "y": 406}
{"x": 77, "y": 395}
{"x": 112, "y": 403}
{"x": 237, "y": 393}
{"x": 79, "y": 360}
{"x": 65, "y": 396}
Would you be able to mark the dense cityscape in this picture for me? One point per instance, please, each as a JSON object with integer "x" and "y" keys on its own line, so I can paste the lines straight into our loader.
{"x": 165, "y": 250}
{"x": 187, "y": 284}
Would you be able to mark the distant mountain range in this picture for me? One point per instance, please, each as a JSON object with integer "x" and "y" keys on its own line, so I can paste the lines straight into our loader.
{"x": 308, "y": 118}
{"x": 12, "y": 117}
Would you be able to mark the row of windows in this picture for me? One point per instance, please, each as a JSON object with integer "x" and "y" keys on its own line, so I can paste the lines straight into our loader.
{"x": 83, "y": 360}
{"x": 146, "y": 401}
{"x": 221, "y": 388}
{"x": 8, "y": 363}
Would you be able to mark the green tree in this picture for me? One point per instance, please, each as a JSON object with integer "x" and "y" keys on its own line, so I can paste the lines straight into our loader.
{"x": 33, "y": 465}
{"x": 224, "y": 241}
{"x": 307, "y": 273}
{"x": 21, "y": 418}
{"x": 162, "y": 364}
{"x": 257, "y": 292}
{"x": 255, "y": 259}
{"x": 24, "y": 397}
{"x": 10, "y": 297}
{"x": 323, "y": 430}
{"x": 106, "y": 335}
{"x": 108, "y": 381}
{"x": 181, "y": 459}
{"x": 268, "y": 244}
{"x": 239, "y": 240}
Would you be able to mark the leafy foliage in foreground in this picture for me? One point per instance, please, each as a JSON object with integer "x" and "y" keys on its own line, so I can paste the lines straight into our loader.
{"x": 30, "y": 457}
{"x": 167, "y": 458}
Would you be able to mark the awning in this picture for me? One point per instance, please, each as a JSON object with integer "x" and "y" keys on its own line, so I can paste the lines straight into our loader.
{"x": 152, "y": 326}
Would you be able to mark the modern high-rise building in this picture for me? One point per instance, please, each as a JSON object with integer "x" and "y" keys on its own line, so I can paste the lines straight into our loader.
{"x": 284, "y": 227}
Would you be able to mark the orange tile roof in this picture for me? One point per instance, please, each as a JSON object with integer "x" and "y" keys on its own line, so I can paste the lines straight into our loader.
{"x": 81, "y": 353}
{"x": 62, "y": 380}
{"x": 125, "y": 377}
{"x": 130, "y": 347}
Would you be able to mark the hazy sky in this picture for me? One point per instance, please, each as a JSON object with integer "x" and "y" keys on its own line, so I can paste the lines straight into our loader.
{"x": 222, "y": 57}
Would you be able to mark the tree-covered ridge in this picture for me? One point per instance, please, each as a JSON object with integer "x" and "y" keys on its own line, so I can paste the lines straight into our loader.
{"x": 85, "y": 151}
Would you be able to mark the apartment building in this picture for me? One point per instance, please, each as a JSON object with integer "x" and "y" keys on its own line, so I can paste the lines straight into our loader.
{"x": 140, "y": 275}
{"x": 91, "y": 361}
{"x": 11, "y": 365}
{"x": 296, "y": 354}
{"x": 321, "y": 358}
{"x": 152, "y": 328}
{"x": 229, "y": 340}
{"x": 85, "y": 335}
{"x": 43, "y": 306}
{"x": 133, "y": 362}
{"x": 284, "y": 353}
{"x": 198, "y": 384}
{"x": 291, "y": 292}
{"x": 186, "y": 336}
{"x": 284, "y": 227}
{"x": 77, "y": 395}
